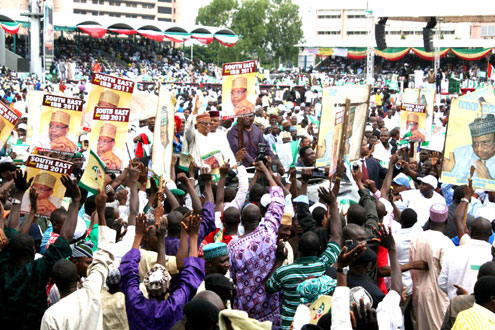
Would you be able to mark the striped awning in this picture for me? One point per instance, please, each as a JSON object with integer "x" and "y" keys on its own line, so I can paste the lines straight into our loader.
{"x": 228, "y": 40}
{"x": 93, "y": 29}
{"x": 204, "y": 38}
{"x": 177, "y": 36}
{"x": 11, "y": 27}
{"x": 151, "y": 34}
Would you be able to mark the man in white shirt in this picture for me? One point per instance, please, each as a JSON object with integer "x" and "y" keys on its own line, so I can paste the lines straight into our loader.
{"x": 219, "y": 138}
{"x": 422, "y": 199}
{"x": 461, "y": 264}
{"x": 382, "y": 149}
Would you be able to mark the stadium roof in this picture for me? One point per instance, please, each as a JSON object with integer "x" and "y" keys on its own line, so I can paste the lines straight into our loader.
{"x": 98, "y": 26}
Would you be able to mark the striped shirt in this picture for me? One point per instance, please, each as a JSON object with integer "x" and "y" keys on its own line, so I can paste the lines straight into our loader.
{"x": 288, "y": 277}
{"x": 476, "y": 317}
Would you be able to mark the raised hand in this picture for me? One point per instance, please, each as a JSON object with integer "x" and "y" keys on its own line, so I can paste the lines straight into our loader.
{"x": 306, "y": 174}
{"x": 371, "y": 185}
{"x": 340, "y": 168}
{"x": 385, "y": 238}
{"x": 141, "y": 222}
{"x": 292, "y": 174}
{"x": 174, "y": 160}
{"x": 71, "y": 188}
{"x": 327, "y": 196}
{"x": 281, "y": 252}
{"x": 133, "y": 172}
{"x": 434, "y": 156}
{"x": 33, "y": 200}
{"x": 394, "y": 159}
{"x": 192, "y": 169}
{"x": 363, "y": 318}
{"x": 205, "y": 174}
{"x": 240, "y": 155}
{"x": 346, "y": 258}
{"x": 224, "y": 169}
{"x": 260, "y": 167}
{"x": 182, "y": 177}
{"x": 101, "y": 200}
{"x": 21, "y": 183}
{"x": 357, "y": 175}
{"x": 161, "y": 228}
{"x": 191, "y": 223}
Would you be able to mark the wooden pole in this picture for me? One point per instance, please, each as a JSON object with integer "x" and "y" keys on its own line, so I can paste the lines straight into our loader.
{"x": 464, "y": 219}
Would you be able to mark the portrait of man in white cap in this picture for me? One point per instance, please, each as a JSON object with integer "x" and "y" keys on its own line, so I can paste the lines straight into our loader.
{"x": 105, "y": 144}
{"x": 43, "y": 183}
{"x": 58, "y": 130}
{"x": 480, "y": 153}
{"x": 238, "y": 96}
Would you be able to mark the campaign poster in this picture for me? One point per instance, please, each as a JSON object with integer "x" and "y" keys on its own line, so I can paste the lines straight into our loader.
{"x": 46, "y": 173}
{"x": 109, "y": 92}
{"x": 213, "y": 161}
{"x": 60, "y": 124}
{"x": 8, "y": 119}
{"x": 359, "y": 96}
{"x": 337, "y": 140}
{"x": 48, "y": 35}
{"x": 485, "y": 94}
{"x": 325, "y": 136}
{"x": 238, "y": 89}
{"x": 163, "y": 135}
{"x": 108, "y": 137}
{"x": 470, "y": 141}
{"x": 412, "y": 122}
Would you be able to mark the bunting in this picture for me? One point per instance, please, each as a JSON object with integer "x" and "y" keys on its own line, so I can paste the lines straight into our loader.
{"x": 392, "y": 53}
{"x": 429, "y": 56}
{"x": 471, "y": 54}
{"x": 11, "y": 27}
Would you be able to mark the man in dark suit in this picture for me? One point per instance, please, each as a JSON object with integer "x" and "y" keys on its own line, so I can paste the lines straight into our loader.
{"x": 370, "y": 167}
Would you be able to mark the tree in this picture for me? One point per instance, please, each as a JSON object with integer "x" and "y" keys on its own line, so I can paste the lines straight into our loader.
{"x": 285, "y": 26}
{"x": 267, "y": 28}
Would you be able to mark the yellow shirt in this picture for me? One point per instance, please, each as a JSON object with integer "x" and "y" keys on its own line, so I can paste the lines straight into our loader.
{"x": 476, "y": 317}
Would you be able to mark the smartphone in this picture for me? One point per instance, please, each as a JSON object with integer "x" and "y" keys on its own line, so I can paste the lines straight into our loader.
{"x": 348, "y": 243}
{"x": 355, "y": 167}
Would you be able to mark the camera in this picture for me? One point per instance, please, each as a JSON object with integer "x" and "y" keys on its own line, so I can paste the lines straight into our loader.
{"x": 261, "y": 156}
{"x": 355, "y": 167}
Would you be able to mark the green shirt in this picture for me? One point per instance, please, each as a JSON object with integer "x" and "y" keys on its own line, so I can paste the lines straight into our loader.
{"x": 23, "y": 289}
{"x": 288, "y": 277}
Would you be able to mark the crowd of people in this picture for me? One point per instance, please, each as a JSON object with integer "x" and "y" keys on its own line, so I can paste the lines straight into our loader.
{"x": 262, "y": 244}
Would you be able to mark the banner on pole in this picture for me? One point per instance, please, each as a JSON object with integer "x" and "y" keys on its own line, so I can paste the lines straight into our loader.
{"x": 163, "y": 135}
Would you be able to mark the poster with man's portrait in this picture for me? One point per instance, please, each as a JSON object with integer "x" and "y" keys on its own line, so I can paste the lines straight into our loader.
{"x": 8, "y": 119}
{"x": 109, "y": 92}
{"x": 108, "y": 137}
{"x": 60, "y": 124}
{"x": 238, "y": 89}
{"x": 470, "y": 141}
{"x": 46, "y": 173}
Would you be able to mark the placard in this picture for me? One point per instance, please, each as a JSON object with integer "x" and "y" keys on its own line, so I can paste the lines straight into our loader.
{"x": 107, "y": 91}
{"x": 108, "y": 137}
{"x": 238, "y": 89}
{"x": 8, "y": 120}
{"x": 60, "y": 124}
{"x": 46, "y": 173}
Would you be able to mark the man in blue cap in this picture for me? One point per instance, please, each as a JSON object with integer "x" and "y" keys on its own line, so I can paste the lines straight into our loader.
{"x": 216, "y": 257}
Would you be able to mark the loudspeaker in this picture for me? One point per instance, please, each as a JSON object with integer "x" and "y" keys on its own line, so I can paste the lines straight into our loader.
{"x": 381, "y": 44}
{"x": 428, "y": 39}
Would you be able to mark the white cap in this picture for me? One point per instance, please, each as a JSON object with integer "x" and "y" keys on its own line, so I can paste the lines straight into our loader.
{"x": 431, "y": 180}
{"x": 22, "y": 126}
{"x": 265, "y": 200}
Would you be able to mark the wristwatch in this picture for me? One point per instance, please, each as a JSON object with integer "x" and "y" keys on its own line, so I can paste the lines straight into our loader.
{"x": 464, "y": 199}
{"x": 344, "y": 270}
{"x": 15, "y": 201}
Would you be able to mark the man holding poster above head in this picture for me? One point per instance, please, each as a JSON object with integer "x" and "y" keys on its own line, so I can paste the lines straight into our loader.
{"x": 104, "y": 147}
{"x": 480, "y": 153}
